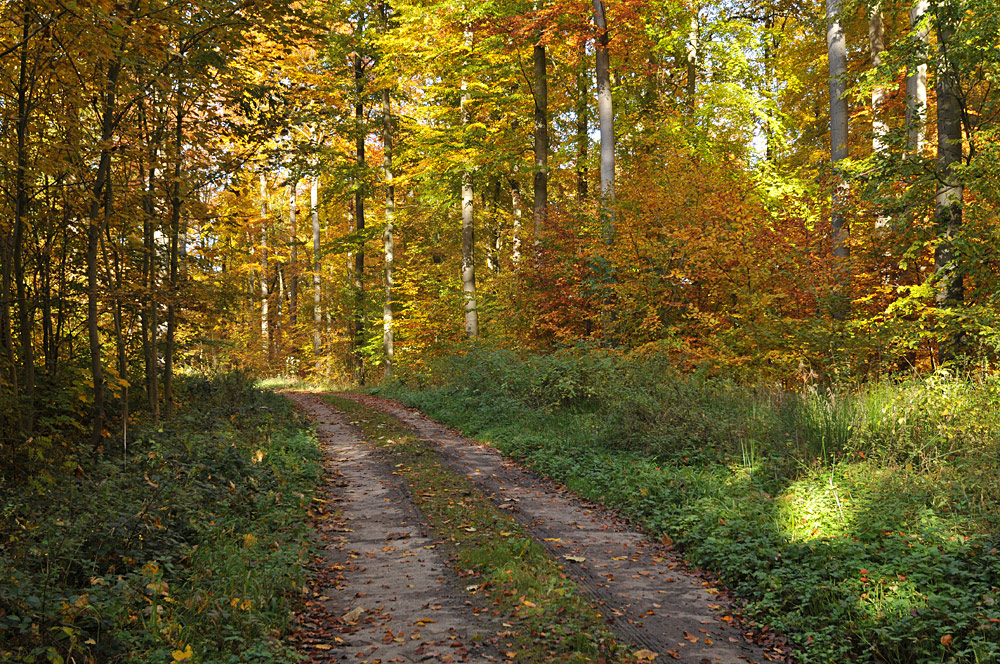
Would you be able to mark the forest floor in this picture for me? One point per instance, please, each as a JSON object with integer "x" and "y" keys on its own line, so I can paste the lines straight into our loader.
{"x": 403, "y": 579}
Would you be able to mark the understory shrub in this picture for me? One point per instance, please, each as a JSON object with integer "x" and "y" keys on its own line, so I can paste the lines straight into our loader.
{"x": 186, "y": 545}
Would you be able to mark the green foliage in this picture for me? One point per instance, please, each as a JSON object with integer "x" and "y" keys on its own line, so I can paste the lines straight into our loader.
{"x": 193, "y": 541}
{"x": 862, "y": 524}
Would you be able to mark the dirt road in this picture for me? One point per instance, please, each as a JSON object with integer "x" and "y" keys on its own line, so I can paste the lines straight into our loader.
{"x": 392, "y": 569}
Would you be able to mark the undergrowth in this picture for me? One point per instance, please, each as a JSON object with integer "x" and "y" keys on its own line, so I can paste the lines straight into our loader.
{"x": 861, "y": 523}
{"x": 188, "y": 548}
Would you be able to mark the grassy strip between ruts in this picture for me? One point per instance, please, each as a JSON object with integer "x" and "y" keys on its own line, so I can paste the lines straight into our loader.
{"x": 189, "y": 550}
{"x": 545, "y": 619}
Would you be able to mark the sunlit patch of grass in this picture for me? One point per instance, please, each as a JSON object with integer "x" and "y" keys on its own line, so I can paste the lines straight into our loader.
{"x": 550, "y": 621}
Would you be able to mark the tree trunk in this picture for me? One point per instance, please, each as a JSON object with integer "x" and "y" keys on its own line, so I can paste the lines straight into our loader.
{"x": 541, "y": 95}
{"x": 916, "y": 82}
{"x": 691, "y": 54}
{"x": 516, "y": 206}
{"x": 94, "y": 229}
{"x": 468, "y": 233}
{"x": 876, "y": 42}
{"x": 582, "y": 135}
{"x": 606, "y": 119}
{"x": 388, "y": 237}
{"x": 837, "y": 50}
{"x": 948, "y": 201}
{"x": 265, "y": 332}
{"x": 149, "y": 314}
{"x": 317, "y": 267}
{"x": 359, "y": 212}
{"x": 24, "y": 304}
{"x": 293, "y": 258}
{"x": 176, "y": 202}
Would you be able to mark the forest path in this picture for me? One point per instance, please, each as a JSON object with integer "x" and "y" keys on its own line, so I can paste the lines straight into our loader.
{"x": 382, "y": 591}
{"x": 649, "y": 597}
{"x": 378, "y": 556}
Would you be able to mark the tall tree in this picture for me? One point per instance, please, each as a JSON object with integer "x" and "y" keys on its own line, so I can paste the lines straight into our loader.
{"x": 388, "y": 235}
{"x": 916, "y": 79}
{"x": 581, "y": 109}
{"x": 876, "y": 44}
{"x": 541, "y": 98}
{"x": 265, "y": 319}
{"x": 361, "y": 135}
{"x": 950, "y": 191}
{"x": 293, "y": 256}
{"x": 606, "y": 119}
{"x": 317, "y": 266}
{"x": 837, "y": 54}
{"x": 468, "y": 226}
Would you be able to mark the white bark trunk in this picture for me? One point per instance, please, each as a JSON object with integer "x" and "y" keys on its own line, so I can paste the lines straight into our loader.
{"x": 916, "y": 82}
{"x": 317, "y": 267}
{"x": 876, "y": 42}
{"x": 468, "y": 235}
{"x": 265, "y": 334}
{"x": 388, "y": 237}
{"x": 837, "y": 51}
{"x": 606, "y": 120}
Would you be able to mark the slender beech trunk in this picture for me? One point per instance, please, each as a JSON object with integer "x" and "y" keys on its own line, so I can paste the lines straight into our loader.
{"x": 606, "y": 120}
{"x": 388, "y": 236}
{"x": 948, "y": 201}
{"x": 176, "y": 201}
{"x": 265, "y": 315}
{"x": 541, "y": 95}
{"x": 468, "y": 230}
{"x": 148, "y": 312}
{"x": 837, "y": 50}
{"x": 24, "y": 305}
{"x": 57, "y": 335}
{"x": 916, "y": 81}
{"x": 114, "y": 284}
{"x": 516, "y": 207}
{"x": 582, "y": 135}
{"x": 95, "y": 225}
{"x": 876, "y": 42}
{"x": 359, "y": 216}
{"x": 317, "y": 267}
{"x": 691, "y": 54}
{"x": 293, "y": 258}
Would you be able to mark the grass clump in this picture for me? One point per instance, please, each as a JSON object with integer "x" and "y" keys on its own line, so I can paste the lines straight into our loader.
{"x": 549, "y": 621}
{"x": 861, "y": 523}
{"x": 188, "y": 549}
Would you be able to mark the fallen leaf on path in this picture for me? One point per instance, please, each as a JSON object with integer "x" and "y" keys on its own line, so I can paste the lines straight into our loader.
{"x": 353, "y": 615}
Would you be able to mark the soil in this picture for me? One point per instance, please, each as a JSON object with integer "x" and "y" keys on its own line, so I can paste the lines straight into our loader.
{"x": 641, "y": 587}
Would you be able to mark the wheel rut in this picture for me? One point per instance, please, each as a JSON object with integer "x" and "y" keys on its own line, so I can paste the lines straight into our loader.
{"x": 641, "y": 587}
{"x": 387, "y": 591}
